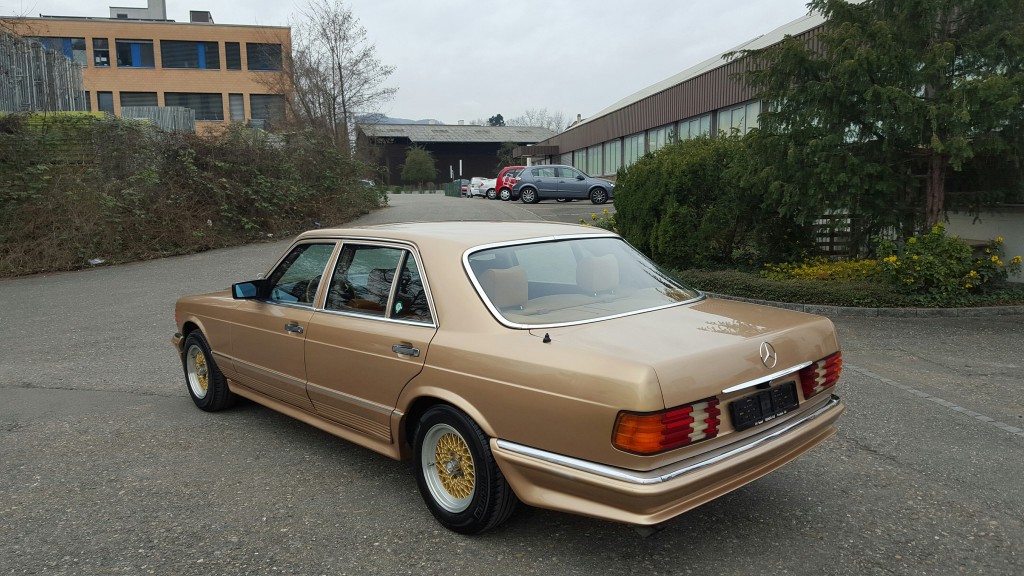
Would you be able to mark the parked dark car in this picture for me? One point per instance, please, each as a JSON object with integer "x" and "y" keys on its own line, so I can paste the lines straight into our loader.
{"x": 560, "y": 182}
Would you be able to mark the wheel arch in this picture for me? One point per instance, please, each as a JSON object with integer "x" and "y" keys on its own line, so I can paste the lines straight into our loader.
{"x": 423, "y": 399}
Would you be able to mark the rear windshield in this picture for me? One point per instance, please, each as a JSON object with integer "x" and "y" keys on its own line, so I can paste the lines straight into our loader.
{"x": 571, "y": 281}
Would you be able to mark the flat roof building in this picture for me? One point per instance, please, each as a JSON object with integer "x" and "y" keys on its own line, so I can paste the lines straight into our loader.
{"x": 225, "y": 73}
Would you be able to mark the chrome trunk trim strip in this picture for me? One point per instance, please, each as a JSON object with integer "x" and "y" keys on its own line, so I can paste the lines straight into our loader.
{"x": 662, "y": 475}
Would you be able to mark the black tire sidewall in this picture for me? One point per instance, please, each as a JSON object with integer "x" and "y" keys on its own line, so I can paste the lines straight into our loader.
{"x": 216, "y": 392}
{"x": 602, "y": 192}
{"x": 477, "y": 517}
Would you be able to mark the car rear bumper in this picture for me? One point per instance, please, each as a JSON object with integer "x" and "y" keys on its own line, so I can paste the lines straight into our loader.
{"x": 557, "y": 482}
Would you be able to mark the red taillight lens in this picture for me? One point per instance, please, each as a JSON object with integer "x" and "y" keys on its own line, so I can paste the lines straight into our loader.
{"x": 821, "y": 375}
{"x": 653, "y": 432}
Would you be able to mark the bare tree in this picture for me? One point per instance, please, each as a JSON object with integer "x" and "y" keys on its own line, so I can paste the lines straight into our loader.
{"x": 335, "y": 71}
{"x": 541, "y": 118}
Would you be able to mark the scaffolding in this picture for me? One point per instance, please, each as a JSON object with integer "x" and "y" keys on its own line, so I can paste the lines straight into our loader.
{"x": 36, "y": 79}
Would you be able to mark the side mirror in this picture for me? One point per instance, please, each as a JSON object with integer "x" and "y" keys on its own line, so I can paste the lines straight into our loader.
{"x": 580, "y": 177}
{"x": 247, "y": 290}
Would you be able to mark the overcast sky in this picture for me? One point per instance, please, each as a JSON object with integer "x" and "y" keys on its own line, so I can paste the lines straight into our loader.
{"x": 470, "y": 59}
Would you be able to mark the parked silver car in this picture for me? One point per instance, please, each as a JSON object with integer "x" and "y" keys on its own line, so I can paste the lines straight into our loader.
{"x": 560, "y": 182}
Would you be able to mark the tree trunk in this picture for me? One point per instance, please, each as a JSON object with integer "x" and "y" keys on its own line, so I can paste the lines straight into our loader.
{"x": 935, "y": 190}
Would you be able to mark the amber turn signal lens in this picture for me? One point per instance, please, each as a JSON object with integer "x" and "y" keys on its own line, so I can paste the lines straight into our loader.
{"x": 653, "y": 432}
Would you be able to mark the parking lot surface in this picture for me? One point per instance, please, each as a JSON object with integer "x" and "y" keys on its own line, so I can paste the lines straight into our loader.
{"x": 108, "y": 468}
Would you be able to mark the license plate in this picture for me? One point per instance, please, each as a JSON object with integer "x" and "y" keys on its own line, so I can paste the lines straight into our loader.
{"x": 763, "y": 406}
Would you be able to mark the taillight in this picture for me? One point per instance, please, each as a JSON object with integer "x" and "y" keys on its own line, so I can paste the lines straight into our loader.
{"x": 821, "y": 375}
{"x": 653, "y": 432}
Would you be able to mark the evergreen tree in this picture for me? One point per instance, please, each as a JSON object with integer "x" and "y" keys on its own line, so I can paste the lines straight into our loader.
{"x": 419, "y": 166}
{"x": 895, "y": 105}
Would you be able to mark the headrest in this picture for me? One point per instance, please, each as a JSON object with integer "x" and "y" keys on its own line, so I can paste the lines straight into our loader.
{"x": 597, "y": 274}
{"x": 505, "y": 287}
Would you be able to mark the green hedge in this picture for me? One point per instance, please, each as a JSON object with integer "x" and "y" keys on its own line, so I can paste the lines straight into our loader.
{"x": 859, "y": 294}
{"x": 120, "y": 190}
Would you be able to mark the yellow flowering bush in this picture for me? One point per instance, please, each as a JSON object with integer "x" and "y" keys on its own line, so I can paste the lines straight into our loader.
{"x": 943, "y": 266}
{"x": 824, "y": 269}
{"x": 606, "y": 221}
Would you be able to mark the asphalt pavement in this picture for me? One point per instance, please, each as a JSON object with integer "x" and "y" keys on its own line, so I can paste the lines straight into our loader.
{"x": 108, "y": 468}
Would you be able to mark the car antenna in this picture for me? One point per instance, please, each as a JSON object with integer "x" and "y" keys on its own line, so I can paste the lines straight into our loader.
{"x": 547, "y": 338}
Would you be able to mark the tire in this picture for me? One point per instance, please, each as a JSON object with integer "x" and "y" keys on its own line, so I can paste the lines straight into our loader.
{"x": 505, "y": 194}
{"x": 491, "y": 195}
{"x": 598, "y": 196}
{"x": 528, "y": 196}
{"x": 467, "y": 494}
{"x": 205, "y": 383}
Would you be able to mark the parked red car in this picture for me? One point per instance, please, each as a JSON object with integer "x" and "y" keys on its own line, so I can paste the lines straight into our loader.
{"x": 506, "y": 179}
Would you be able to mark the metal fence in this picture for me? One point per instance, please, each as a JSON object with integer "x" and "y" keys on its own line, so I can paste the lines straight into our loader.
{"x": 167, "y": 118}
{"x": 35, "y": 79}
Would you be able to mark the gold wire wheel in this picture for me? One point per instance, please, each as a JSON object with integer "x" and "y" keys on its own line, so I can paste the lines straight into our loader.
{"x": 198, "y": 372}
{"x": 448, "y": 468}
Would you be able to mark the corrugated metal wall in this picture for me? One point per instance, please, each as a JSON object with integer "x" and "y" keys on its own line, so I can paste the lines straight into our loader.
{"x": 705, "y": 93}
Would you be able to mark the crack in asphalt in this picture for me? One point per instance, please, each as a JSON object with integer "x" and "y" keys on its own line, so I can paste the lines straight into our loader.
{"x": 941, "y": 402}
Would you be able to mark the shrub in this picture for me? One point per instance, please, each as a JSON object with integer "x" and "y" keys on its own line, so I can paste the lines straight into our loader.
{"x": 688, "y": 205}
{"x": 820, "y": 268}
{"x": 121, "y": 190}
{"x": 606, "y": 221}
{"x": 944, "y": 267}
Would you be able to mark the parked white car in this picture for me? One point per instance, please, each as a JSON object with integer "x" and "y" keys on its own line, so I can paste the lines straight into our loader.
{"x": 476, "y": 186}
{"x": 488, "y": 188}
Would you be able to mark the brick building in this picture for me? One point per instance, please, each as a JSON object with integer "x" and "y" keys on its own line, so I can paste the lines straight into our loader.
{"x": 136, "y": 57}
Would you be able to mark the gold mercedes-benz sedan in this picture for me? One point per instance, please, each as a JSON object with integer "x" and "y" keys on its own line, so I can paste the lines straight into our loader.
{"x": 546, "y": 363}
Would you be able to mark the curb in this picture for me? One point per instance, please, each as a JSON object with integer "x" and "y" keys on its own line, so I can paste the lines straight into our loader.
{"x": 848, "y": 311}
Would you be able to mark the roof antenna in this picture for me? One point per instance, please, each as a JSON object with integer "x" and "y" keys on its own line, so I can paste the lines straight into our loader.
{"x": 547, "y": 338}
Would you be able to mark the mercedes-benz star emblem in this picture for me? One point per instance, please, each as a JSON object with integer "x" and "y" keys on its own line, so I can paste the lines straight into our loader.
{"x": 768, "y": 356}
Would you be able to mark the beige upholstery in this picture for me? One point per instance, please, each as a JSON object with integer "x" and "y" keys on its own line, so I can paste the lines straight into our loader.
{"x": 506, "y": 287}
{"x": 596, "y": 274}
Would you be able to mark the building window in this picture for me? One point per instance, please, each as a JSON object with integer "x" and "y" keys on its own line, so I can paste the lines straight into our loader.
{"x": 180, "y": 54}
{"x": 88, "y": 102}
{"x": 105, "y": 102}
{"x": 579, "y": 159}
{"x": 594, "y": 164}
{"x": 742, "y": 119}
{"x": 263, "y": 56}
{"x": 700, "y": 126}
{"x": 101, "y": 52}
{"x": 138, "y": 99}
{"x": 565, "y": 159}
{"x": 73, "y": 48}
{"x": 207, "y": 106}
{"x": 657, "y": 138}
{"x": 633, "y": 148}
{"x": 612, "y": 156}
{"x": 134, "y": 53}
{"x": 236, "y": 107}
{"x": 266, "y": 106}
{"x": 752, "y": 111}
{"x": 233, "y": 55}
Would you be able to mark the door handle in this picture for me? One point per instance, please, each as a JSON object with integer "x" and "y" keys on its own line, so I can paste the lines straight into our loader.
{"x": 293, "y": 327}
{"x": 405, "y": 350}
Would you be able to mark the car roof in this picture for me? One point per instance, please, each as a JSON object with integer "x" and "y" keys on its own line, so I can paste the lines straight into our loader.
{"x": 460, "y": 234}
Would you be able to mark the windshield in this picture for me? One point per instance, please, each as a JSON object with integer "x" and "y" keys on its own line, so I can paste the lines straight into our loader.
{"x": 571, "y": 281}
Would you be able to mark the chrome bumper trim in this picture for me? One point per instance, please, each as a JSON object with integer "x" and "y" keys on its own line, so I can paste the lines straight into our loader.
{"x": 656, "y": 476}
{"x": 767, "y": 378}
